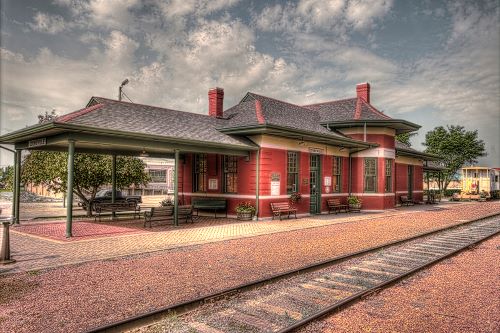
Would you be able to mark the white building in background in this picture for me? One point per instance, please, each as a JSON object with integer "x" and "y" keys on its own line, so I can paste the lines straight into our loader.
{"x": 476, "y": 179}
{"x": 161, "y": 171}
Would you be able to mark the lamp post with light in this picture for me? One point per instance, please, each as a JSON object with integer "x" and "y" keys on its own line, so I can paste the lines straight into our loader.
{"x": 121, "y": 88}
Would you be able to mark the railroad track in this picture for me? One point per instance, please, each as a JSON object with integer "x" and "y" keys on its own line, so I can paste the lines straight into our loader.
{"x": 288, "y": 301}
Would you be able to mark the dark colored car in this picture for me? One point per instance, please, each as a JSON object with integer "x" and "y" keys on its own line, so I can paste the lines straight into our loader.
{"x": 105, "y": 196}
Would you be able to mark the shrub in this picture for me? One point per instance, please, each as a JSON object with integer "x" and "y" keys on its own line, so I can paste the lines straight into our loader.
{"x": 245, "y": 207}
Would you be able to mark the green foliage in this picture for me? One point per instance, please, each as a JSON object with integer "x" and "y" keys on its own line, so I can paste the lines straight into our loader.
{"x": 7, "y": 177}
{"x": 91, "y": 172}
{"x": 353, "y": 200}
{"x": 456, "y": 147}
{"x": 245, "y": 207}
{"x": 405, "y": 138}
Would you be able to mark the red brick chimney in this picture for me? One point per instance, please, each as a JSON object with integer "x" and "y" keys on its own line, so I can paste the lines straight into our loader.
{"x": 363, "y": 91}
{"x": 215, "y": 102}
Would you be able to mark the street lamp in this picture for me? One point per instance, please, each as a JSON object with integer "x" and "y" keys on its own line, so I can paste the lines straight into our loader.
{"x": 120, "y": 89}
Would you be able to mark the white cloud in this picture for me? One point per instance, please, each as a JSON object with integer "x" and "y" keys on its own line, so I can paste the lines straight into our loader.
{"x": 51, "y": 24}
{"x": 176, "y": 8}
{"x": 320, "y": 12}
{"x": 362, "y": 14}
{"x": 173, "y": 52}
{"x": 334, "y": 16}
{"x": 112, "y": 13}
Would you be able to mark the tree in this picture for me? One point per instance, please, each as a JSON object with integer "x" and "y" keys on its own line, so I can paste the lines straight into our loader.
{"x": 91, "y": 172}
{"x": 456, "y": 147}
{"x": 405, "y": 138}
{"x": 7, "y": 177}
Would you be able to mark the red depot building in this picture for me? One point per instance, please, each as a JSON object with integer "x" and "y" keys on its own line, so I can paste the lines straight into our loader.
{"x": 260, "y": 150}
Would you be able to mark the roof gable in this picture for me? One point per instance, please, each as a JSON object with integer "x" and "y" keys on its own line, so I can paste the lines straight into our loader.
{"x": 347, "y": 109}
{"x": 255, "y": 109}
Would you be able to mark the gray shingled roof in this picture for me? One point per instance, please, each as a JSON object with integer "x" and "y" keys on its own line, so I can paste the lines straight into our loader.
{"x": 345, "y": 109}
{"x": 275, "y": 112}
{"x": 130, "y": 117}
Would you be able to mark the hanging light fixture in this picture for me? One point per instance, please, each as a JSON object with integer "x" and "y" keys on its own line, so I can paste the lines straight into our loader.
{"x": 144, "y": 153}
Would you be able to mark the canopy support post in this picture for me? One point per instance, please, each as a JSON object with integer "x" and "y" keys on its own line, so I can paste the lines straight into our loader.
{"x": 176, "y": 188}
{"x": 69, "y": 189}
{"x": 16, "y": 200}
{"x": 113, "y": 181}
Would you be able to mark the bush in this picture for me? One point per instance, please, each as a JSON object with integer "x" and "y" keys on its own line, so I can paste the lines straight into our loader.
{"x": 245, "y": 207}
{"x": 447, "y": 193}
{"x": 166, "y": 202}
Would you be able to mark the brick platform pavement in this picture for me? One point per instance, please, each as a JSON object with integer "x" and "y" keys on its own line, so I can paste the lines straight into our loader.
{"x": 34, "y": 253}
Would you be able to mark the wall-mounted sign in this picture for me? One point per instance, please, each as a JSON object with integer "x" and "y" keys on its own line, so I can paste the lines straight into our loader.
{"x": 37, "y": 142}
{"x": 327, "y": 189}
{"x": 275, "y": 187}
{"x": 275, "y": 177}
{"x": 213, "y": 184}
{"x": 328, "y": 181}
{"x": 314, "y": 150}
{"x": 305, "y": 181}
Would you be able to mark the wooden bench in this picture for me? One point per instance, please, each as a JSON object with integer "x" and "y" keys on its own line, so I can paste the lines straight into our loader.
{"x": 280, "y": 208}
{"x": 405, "y": 201}
{"x": 105, "y": 207}
{"x": 205, "y": 203}
{"x": 166, "y": 213}
{"x": 336, "y": 206}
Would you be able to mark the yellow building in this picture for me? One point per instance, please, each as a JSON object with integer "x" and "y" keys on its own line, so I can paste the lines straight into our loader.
{"x": 476, "y": 179}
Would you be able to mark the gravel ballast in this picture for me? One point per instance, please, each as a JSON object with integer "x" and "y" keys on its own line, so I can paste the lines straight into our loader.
{"x": 79, "y": 297}
{"x": 458, "y": 295}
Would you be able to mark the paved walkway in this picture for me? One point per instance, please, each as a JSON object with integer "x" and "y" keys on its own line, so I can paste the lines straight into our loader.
{"x": 34, "y": 253}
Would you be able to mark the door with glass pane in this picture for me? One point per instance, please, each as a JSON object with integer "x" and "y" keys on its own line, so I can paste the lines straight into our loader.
{"x": 315, "y": 184}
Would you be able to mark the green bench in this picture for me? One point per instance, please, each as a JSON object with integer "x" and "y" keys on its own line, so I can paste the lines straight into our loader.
{"x": 107, "y": 207}
{"x": 166, "y": 213}
{"x": 204, "y": 203}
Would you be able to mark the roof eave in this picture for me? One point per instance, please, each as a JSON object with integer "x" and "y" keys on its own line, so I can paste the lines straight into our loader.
{"x": 267, "y": 129}
{"x": 401, "y": 126}
{"x": 418, "y": 154}
{"x": 38, "y": 131}
{"x": 27, "y": 133}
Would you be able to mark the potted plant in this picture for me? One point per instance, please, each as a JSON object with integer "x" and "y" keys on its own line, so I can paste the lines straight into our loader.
{"x": 295, "y": 197}
{"x": 354, "y": 203}
{"x": 166, "y": 202}
{"x": 245, "y": 211}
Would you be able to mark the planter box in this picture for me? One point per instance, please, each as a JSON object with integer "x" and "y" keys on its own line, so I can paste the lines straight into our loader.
{"x": 245, "y": 216}
{"x": 354, "y": 207}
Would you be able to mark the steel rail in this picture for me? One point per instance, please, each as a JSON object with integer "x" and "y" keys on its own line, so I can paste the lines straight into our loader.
{"x": 183, "y": 307}
{"x": 358, "y": 296}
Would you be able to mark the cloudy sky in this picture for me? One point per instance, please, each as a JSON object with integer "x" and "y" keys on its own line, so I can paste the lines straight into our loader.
{"x": 430, "y": 62}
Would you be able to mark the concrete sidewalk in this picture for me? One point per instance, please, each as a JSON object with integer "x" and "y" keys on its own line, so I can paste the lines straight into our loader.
{"x": 34, "y": 253}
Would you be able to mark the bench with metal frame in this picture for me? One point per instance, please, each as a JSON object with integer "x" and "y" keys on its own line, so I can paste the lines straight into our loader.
{"x": 108, "y": 207}
{"x": 205, "y": 203}
{"x": 405, "y": 200}
{"x": 336, "y": 206}
{"x": 280, "y": 208}
{"x": 166, "y": 213}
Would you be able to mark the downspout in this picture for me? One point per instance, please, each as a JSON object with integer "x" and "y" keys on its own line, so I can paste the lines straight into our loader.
{"x": 395, "y": 180}
{"x": 257, "y": 183}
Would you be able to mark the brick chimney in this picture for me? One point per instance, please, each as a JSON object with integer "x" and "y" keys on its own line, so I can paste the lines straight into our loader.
{"x": 215, "y": 102}
{"x": 363, "y": 91}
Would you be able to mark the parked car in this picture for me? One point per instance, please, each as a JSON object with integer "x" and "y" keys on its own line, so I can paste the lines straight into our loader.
{"x": 105, "y": 196}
